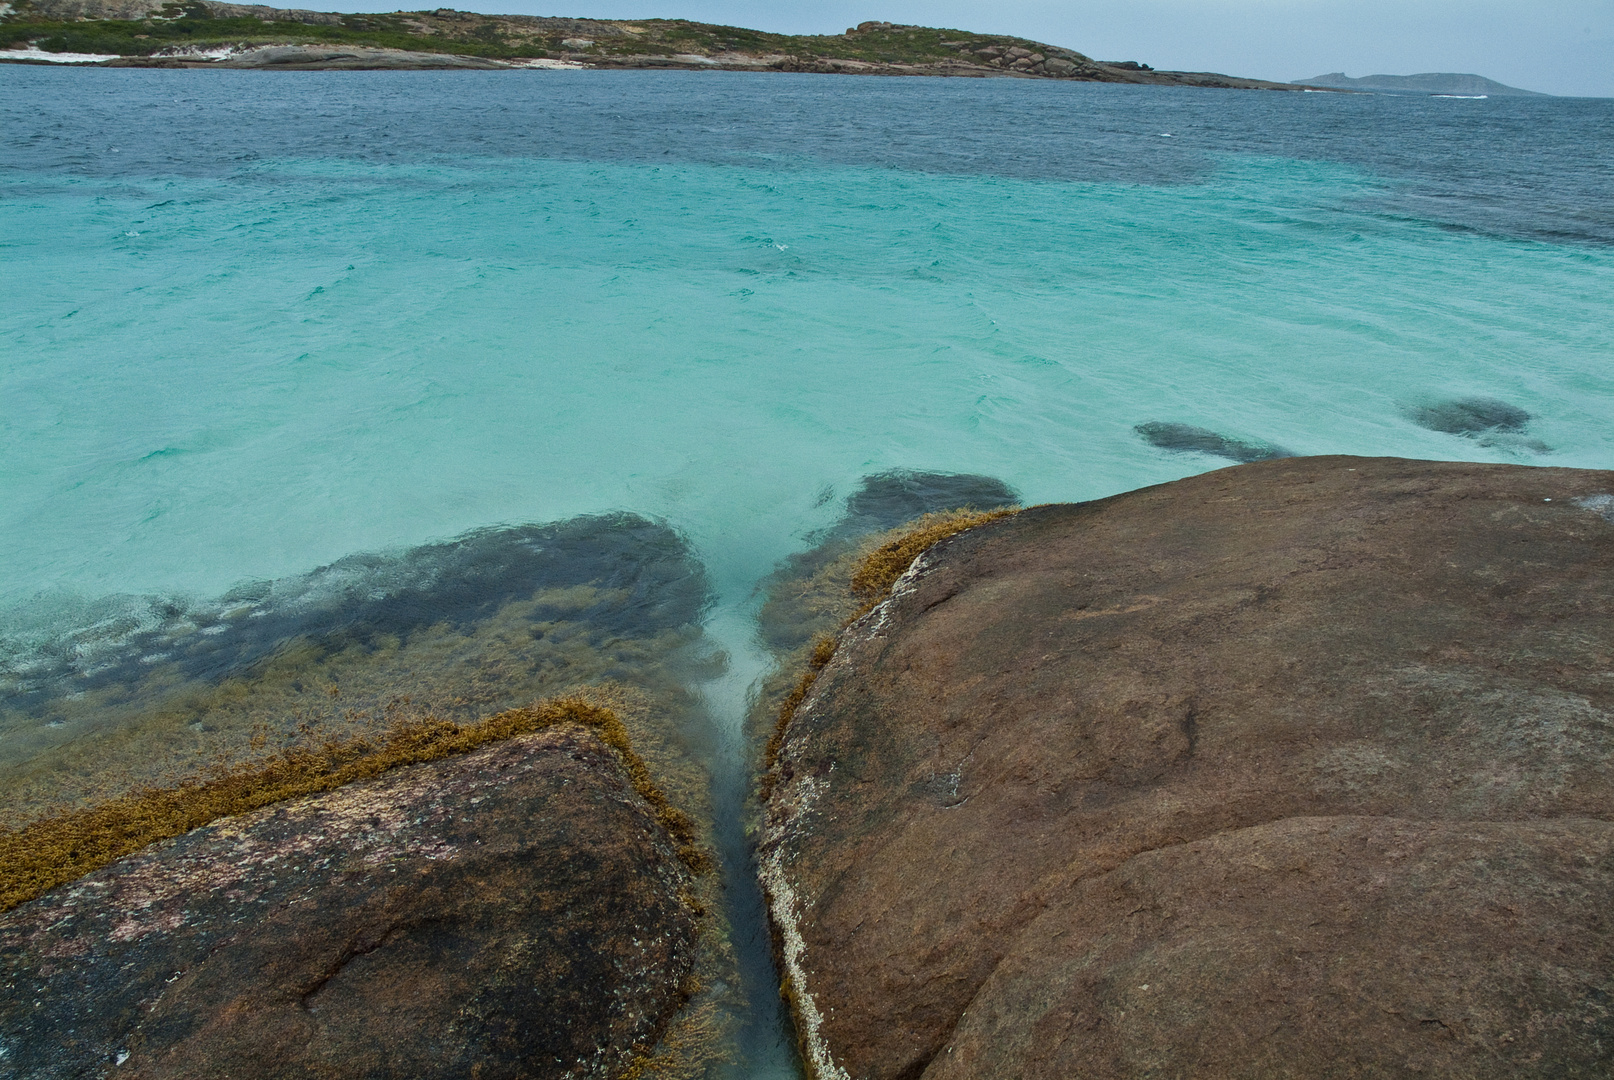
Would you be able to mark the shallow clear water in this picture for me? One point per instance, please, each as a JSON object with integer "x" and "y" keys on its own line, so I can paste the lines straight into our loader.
{"x": 257, "y": 322}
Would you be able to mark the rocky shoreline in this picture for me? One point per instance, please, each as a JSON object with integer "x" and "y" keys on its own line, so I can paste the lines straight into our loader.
{"x": 360, "y": 58}
{"x": 1300, "y": 766}
{"x": 1295, "y": 768}
{"x": 528, "y": 887}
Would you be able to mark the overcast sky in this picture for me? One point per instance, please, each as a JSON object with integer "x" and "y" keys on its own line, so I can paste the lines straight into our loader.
{"x": 1555, "y": 46}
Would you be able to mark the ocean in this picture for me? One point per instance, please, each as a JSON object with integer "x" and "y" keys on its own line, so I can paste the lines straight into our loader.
{"x": 408, "y": 364}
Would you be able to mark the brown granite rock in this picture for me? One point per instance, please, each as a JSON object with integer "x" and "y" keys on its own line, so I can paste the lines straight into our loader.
{"x": 515, "y": 912}
{"x": 1299, "y": 768}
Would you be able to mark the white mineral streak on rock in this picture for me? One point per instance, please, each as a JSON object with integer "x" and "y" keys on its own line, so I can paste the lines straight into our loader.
{"x": 792, "y": 805}
{"x": 872, "y": 624}
{"x": 785, "y": 907}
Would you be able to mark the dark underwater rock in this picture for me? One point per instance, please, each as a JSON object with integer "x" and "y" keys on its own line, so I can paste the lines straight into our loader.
{"x": 1185, "y": 438}
{"x": 642, "y": 578}
{"x": 885, "y": 500}
{"x": 1470, "y": 416}
{"x": 1488, "y": 421}
{"x": 1300, "y": 768}
{"x": 516, "y": 912}
{"x": 124, "y": 691}
{"x": 807, "y": 596}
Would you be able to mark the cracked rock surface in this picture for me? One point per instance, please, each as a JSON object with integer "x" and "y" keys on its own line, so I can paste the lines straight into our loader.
{"x": 1298, "y": 768}
{"x": 515, "y": 912}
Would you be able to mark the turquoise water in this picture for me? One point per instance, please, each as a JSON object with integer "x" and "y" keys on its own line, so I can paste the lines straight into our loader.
{"x": 208, "y": 380}
{"x": 255, "y": 325}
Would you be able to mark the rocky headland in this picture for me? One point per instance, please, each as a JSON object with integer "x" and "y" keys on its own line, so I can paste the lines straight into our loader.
{"x": 1301, "y": 767}
{"x": 209, "y": 33}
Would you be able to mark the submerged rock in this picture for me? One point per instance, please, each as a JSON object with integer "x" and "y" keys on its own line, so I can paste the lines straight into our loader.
{"x": 1488, "y": 421}
{"x": 516, "y": 912}
{"x": 1185, "y": 438}
{"x": 809, "y": 594}
{"x": 1470, "y": 416}
{"x": 98, "y": 696}
{"x": 888, "y": 499}
{"x": 1301, "y": 768}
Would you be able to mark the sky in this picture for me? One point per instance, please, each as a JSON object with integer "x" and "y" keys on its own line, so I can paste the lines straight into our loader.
{"x": 1554, "y": 46}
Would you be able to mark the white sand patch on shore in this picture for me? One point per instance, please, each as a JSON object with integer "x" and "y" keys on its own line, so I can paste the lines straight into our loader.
{"x": 196, "y": 52}
{"x": 548, "y": 65}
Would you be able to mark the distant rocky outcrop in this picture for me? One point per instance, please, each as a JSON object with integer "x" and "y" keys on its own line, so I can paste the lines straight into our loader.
{"x": 1303, "y": 767}
{"x": 519, "y": 911}
{"x": 1429, "y": 83}
{"x": 67, "y": 10}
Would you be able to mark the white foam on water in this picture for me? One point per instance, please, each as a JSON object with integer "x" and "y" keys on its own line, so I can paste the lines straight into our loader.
{"x": 197, "y": 52}
{"x": 32, "y": 53}
{"x": 545, "y": 64}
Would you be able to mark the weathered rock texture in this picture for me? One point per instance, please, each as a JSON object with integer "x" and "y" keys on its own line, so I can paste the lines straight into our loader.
{"x": 515, "y": 912}
{"x": 1300, "y": 768}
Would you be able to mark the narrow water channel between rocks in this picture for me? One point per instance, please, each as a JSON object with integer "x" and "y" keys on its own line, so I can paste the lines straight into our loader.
{"x": 764, "y": 625}
{"x": 765, "y": 1044}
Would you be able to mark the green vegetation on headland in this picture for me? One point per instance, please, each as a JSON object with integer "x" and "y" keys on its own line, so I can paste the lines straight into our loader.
{"x": 147, "y": 33}
{"x": 209, "y": 26}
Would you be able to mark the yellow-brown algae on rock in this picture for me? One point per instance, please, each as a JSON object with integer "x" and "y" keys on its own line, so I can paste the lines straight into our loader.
{"x": 1303, "y": 767}
{"x": 520, "y": 910}
{"x": 813, "y": 594}
{"x": 72, "y": 842}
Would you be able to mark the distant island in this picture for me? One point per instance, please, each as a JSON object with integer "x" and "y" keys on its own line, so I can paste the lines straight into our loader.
{"x": 1435, "y": 84}
{"x": 205, "y": 33}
